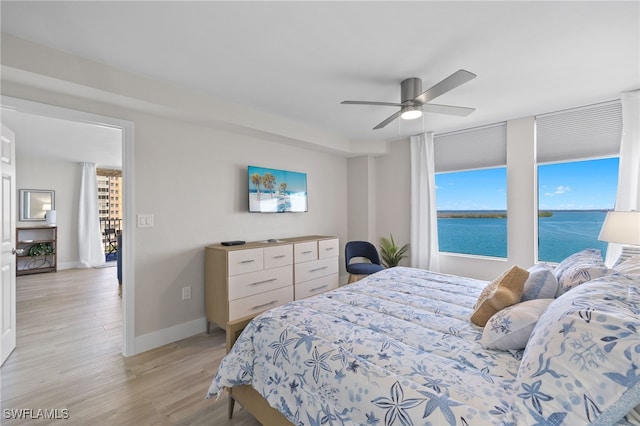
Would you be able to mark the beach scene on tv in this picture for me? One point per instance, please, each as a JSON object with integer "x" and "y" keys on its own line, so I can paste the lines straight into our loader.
{"x": 277, "y": 191}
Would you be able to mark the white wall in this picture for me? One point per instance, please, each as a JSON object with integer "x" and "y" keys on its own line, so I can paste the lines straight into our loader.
{"x": 189, "y": 170}
{"x": 360, "y": 174}
{"x": 393, "y": 195}
{"x": 197, "y": 190}
{"x": 64, "y": 178}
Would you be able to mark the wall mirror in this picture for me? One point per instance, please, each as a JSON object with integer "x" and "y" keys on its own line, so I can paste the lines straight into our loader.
{"x": 34, "y": 203}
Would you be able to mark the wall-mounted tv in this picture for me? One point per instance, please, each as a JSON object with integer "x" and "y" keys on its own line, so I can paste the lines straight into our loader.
{"x": 276, "y": 191}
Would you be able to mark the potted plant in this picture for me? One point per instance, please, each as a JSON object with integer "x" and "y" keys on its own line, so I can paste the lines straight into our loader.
{"x": 391, "y": 253}
{"x": 40, "y": 249}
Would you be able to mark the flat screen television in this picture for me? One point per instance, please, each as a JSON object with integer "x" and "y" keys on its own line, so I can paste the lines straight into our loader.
{"x": 276, "y": 191}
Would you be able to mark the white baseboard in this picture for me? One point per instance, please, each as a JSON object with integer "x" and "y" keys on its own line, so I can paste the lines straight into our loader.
{"x": 70, "y": 265}
{"x": 169, "y": 335}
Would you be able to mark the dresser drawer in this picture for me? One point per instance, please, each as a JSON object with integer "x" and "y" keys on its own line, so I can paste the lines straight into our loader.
{"x": 328, "y": 248}
{"x": 243, "y": 261}
{"x": 317, "y": 286}
{"x": 259, "y": 282}
{"x": 316, "y": 269}
{"x": 253, "y": 305}
{"x": 279, "y": 255}
{"x": 304, "y": 252}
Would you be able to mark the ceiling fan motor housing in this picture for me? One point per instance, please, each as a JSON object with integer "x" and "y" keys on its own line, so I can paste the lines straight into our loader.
{"x": 410, "y": 89}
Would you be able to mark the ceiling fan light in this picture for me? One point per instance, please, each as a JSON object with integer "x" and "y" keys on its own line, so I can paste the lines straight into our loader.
{"x": 411, "y": 113}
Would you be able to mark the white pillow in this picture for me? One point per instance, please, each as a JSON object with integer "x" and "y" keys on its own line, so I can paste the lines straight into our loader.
{"x": 541, "y": 284}
{"x": 629, "y": 266}
{"x": 580, "y": 365}
{"x": 510, "y": 328}
{"x": 579, "y": 268}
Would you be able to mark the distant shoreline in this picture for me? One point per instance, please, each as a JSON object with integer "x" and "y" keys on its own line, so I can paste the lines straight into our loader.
{"x": 497, "y": 214}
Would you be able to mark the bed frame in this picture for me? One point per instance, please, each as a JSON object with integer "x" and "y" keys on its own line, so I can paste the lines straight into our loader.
{"x": 247, "y": 396}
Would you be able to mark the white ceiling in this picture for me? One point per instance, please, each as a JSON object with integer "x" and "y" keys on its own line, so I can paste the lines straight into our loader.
{"x": 53, "y": 138}
{"x": 300, "y": 59}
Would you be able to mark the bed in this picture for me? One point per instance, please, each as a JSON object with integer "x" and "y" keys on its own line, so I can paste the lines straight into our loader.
{"x": 398, "y": 348}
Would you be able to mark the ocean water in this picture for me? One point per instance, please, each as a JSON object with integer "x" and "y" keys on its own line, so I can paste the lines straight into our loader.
{"x": 564, "y": 233}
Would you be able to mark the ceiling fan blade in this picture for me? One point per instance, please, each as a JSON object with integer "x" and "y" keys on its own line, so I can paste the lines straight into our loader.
{"x": 448, "y": 109}
{"x": 388, "y": 120}
{"x": 370, "y": 103}
{"x": 454, "y": 80}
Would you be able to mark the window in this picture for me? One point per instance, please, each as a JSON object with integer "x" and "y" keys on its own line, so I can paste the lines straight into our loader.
{"x": 472, "y": 212}
{"x": 574, "y": 189}
{"x": 471, "y": 191}
{"x": 573, "y": 199}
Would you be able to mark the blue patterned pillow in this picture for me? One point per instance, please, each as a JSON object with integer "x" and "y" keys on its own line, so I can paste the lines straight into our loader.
{"x": 541, "y": 284}
{"x": 582, "y": 362}
{"x": 511, "y": 327}
{"x": 579, "y": 268}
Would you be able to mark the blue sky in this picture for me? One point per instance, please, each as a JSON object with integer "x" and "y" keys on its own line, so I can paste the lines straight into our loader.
{"x": 296, "y": 182}
{"x": 581, "y": 185}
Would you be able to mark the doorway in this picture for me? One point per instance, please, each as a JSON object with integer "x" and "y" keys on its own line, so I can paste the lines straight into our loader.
{"x": 126, "y": 130}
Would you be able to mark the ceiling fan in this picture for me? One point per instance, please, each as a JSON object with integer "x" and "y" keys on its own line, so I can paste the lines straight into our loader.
{"x": 414, "y": 101}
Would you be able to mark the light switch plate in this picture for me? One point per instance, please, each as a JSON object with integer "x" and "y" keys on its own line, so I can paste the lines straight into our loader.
{"x": 145, "y": 220}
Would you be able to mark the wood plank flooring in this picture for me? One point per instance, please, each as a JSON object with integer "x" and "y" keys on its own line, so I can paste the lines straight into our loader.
{"x": 69, "y": 357}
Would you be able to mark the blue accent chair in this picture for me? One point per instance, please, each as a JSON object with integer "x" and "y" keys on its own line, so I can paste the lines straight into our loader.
{"x": 361, "y": 249}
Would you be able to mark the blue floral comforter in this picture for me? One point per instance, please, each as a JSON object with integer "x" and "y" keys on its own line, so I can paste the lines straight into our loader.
{"x": 394, "y": 348}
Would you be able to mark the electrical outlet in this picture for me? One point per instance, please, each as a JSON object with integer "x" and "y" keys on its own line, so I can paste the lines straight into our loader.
{"x": 186, "y": 293}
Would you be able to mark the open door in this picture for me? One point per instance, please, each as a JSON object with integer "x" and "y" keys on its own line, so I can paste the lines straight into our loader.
{"x": 7, "y": 245}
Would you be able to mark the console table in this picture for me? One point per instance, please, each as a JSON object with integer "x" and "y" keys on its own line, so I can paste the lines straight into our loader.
{"x": 244, "y": 280}
{"x": 38, "y": 247}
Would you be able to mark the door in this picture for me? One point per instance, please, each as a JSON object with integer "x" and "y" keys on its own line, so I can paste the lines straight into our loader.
{"x": 7, "y": 245}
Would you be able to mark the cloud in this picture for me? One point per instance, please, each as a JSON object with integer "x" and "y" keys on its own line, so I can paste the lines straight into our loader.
{"x": 559, "y": 191}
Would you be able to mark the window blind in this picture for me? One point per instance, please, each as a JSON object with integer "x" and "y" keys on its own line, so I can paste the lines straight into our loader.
{"x": 476, "y": 148}
{"x": 588, "y": 132}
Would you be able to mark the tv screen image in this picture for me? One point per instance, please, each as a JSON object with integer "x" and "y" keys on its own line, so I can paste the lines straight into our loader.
{"x": 276, "y": 191}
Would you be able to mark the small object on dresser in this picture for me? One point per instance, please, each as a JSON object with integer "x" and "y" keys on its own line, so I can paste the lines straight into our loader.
{"x": 232, "y": 243}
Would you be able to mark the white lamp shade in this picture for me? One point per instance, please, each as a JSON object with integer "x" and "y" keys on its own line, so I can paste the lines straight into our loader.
{"x": 50, "y": 215}
{"x": 621, "y": 227}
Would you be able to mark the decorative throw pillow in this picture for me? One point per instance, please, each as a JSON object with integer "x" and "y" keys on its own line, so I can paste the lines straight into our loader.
{"x": 581, "y": 363}
{"x": 579, "y": 268}
{"x": 541, "y": 284}
{"x": 627, "y": 253}
{"x": 506, "y": 290}
{"x": 510, "y": 328}
{"x": 629, "y": 266}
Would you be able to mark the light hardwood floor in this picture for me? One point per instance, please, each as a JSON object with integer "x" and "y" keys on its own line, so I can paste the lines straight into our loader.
{"x": 68, "y": 356}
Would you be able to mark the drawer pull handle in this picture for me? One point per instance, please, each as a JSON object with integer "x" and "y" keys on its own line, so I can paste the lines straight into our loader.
{"x": 318, "y": 269}
{"x": 279, "y": 257}
{"x": 264, "y": 305}
{"x": 319, "y": 288}
{"x": 247, "y": 261}
{"x": 329, "y": 248}
{"x": 264, "y": 281}
{"x": 307, "y": 252}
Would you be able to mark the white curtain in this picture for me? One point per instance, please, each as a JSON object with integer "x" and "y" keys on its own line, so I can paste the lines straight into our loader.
{"x": 89, "y": 236}
{"x": 628, "y": 196}
{"x": 424, "y": 220}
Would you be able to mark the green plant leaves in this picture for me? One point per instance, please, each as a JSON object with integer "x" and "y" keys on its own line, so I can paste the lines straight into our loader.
{"x": 40, "y": 249}
{"x": 390, "y": 252}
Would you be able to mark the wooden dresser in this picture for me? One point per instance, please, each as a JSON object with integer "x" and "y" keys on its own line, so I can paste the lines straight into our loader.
{"x": 245, "y": 280}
